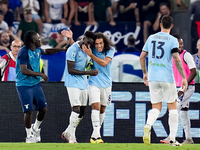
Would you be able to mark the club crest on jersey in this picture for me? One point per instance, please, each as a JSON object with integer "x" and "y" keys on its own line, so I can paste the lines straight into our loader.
{"x": 26, "y": 106}
{"x": 73, "y": 54}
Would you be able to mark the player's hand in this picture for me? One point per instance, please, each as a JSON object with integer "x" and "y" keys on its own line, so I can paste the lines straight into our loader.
{"x": 93, "y": 72}
{"x": 45, "y": 77}
{"x": 145, "y": 78}
{"x": 67, "y": 33}
{"x": 184, "y": 84}
{"x": 87, "y": 49}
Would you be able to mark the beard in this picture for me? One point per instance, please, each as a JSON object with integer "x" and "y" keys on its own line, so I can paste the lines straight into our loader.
{"x": 5, "y": 41}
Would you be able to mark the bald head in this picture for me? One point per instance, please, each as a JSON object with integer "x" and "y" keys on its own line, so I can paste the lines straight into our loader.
{"x": 15, "y": 46}
{"x": 16, "y": 42}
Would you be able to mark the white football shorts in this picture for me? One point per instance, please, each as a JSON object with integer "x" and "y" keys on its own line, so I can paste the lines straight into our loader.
{"x": 77, "y": 97}
{"x": 102, "y": 95}
{"x": 162, "y": 91}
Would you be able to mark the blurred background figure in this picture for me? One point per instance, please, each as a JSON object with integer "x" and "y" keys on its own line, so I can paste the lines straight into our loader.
{"x": 196, "y": 58}
{"x": 164, "y": 9}
{"x": 179, "y": 5}
{"x": 57, "y": 40}
{"x": 15, "y": 5}
{"x": 71, "y": 11}
{"x": 100, "y": 9}
{"x": 131, "y": 46}
{"x": 115, "y": 10}
{"x": 35, "y": 7}
{"x": 149, "y": 11}
{"x": 3, "y": 24}
{"x": 54, "y": 10}
{"x": 6, "y": 39}
{"x": 129, "y": 11}
{"x": 8, "y": 14}
{"x": 27, "y": 24}
{"x": 41, "y": 11}
{"x": 8, "y": 62}
{"x": 84, "y": 12}
{"x": 195, "y": 26}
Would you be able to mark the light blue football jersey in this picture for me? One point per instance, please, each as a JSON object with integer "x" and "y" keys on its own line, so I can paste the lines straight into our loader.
{"x": 103, "y": 79}
{"x": 159, "y": 48}
{"x": 74, "y": 53}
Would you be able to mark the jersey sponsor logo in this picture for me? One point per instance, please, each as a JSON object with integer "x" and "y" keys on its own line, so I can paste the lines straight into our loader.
{"x": 156, "y": 64}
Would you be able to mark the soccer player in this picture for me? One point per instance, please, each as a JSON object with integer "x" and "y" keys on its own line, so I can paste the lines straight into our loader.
{"x": 183, "y": 102}
{"x": 76, "y": 83}
{"x": 28, "y": 83}
{"x": 196, "y": 58}
{"x": 160, "y": 48}
{"x": 100, "y": 85}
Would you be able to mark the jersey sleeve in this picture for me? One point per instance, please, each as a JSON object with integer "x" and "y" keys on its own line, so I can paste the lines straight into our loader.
{"x": 189, "y": 60}
{"x": 111, "y": 52}
{"x": 71, "y": 54}
{"x": 174, "y": 44}
{"x": 145, "y": 47}
{"x": 41, "y": 51}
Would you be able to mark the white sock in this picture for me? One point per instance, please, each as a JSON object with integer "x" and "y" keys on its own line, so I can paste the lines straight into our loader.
{"x": 101, "y": 117}
{"x": 73, "y": 123}
{"x": 95, "y": 123}
{"x": 68, "y": 127}
{"x": 173, "y": 123}
{"x": 152, "y": 116}
{"x": 36, "y": 124}
{"x": 28, "y": 132}
{"x": 186, "y": 123}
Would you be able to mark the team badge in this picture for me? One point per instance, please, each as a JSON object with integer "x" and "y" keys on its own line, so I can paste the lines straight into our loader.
{"x": 73, "y": 54}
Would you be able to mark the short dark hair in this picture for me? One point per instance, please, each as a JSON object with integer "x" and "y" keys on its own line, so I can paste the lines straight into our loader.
{"x": 4, "y": 2}
{"x": 28, "y": 37}
{"x": 90, "y": 34}
{"x": 177, "y": 36}
{"x": 166, "y": 21}
{"x": 165, "y": 4}
{"x": 131, "y": 40}
{"x": 107, "y": 42}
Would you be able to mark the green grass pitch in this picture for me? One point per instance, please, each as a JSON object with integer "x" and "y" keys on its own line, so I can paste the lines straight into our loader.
{"x": 100, "y": 146}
